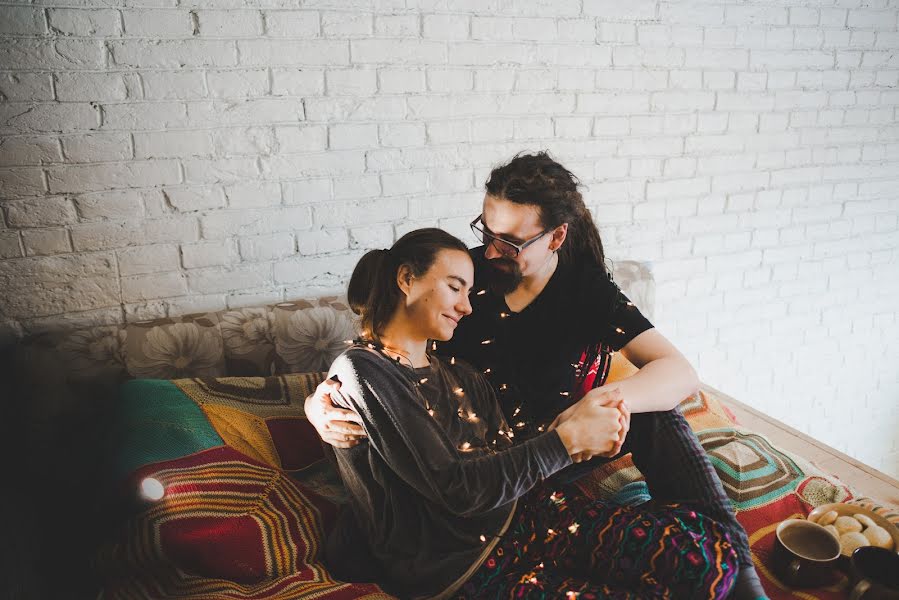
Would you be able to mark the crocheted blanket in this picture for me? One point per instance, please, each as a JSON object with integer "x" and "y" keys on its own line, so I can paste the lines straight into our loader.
{"x": 248, "y": 492}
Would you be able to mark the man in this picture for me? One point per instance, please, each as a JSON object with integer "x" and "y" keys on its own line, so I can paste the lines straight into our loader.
{"x": 543, "y": 296}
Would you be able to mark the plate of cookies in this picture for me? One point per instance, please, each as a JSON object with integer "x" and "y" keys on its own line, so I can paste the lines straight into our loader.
{"x": 856, "y": 526}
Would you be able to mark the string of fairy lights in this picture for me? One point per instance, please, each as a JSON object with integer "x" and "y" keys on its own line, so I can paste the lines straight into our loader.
{"x": 463, "y": 413}
{"x": 152, "y": 489}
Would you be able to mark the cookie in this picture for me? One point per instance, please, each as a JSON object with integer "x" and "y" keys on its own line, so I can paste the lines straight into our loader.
{"x": 880, "y": 537}
{"x": 852, "y": 540}
{"x": 865, "y": 520}
{"x": 847, "y": 524}
{"x": 828, "y": 518}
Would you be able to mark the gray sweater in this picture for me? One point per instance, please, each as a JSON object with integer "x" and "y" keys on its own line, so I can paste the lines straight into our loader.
{"x": 429, "y": 493}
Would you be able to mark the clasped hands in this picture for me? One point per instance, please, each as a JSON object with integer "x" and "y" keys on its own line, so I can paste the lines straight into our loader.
{"x": 595, "y": 425}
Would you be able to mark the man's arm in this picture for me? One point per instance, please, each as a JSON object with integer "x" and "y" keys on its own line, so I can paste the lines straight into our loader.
{"x": 336, "y": 426}
{"x": 665, "y": 376}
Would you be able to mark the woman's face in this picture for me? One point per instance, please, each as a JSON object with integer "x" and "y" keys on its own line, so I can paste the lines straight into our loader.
{"x": 437, "y": 300}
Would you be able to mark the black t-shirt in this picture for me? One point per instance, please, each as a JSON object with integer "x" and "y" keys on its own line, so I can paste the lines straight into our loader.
{"x": 531, "y": 357}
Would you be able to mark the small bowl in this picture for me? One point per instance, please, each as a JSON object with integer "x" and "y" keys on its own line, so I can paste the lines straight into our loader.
{"x": 850, "y": 510}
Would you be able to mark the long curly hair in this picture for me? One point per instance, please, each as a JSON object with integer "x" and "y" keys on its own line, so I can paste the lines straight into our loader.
{"x": 538, "y": 180}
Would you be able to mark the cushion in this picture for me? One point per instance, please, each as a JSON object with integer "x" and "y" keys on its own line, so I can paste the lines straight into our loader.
{"x": 239, "y": 518}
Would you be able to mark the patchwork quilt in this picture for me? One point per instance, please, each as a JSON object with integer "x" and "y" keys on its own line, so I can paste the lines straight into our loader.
{"x": 250, "y": 493}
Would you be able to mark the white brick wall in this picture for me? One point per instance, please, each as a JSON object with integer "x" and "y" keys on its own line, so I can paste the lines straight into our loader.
{"x": 157, "y": 160}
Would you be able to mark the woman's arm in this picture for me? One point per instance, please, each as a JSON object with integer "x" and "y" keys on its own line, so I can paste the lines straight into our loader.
{"x": 417, "y": 449}
{"x": 419, "y": 452}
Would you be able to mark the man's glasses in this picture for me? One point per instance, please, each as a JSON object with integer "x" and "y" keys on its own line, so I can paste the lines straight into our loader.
{"x": 504, "y": 247}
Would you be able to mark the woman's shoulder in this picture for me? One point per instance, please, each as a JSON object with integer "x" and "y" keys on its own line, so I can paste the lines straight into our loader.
{"x": 356, "y": 361}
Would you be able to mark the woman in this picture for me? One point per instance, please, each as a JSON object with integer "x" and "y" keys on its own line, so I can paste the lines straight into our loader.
{"x": 441, "y": 502}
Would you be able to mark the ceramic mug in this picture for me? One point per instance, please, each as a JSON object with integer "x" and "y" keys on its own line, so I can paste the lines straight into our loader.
{"x": 805, "y": 553}
{"x": 877, "y": 572}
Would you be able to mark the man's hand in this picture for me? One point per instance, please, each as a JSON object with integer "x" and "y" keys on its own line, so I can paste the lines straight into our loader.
{"x": 336, "y": 426}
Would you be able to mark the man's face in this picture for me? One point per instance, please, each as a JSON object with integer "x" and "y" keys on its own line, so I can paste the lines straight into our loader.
{"x": 515, "y": 223}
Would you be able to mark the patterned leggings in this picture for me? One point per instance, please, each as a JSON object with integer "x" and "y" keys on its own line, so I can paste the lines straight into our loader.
{"x": 561, "y": 544}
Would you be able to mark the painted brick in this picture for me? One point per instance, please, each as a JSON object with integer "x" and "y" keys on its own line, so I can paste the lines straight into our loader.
{"x": 148, "y": 259}
{"x": 351, "y": 82}
{"x": 290, "y": 23}
{"x": 155, "y": 285}
{"x": 266, "y": 247}
{"x": 254, "y": 221}
{"x": 42, "y": 242}
{"x": 322, "y": 241}
{"x": 347, "y": 24}
{"x": 295, "y": 81}
{"x": 208, "y": 254}
{"x": 237, "y": 83}
{"x": 401, "y": 81}
{"x": 397, "y": 135}
{"x": 84, "y": 23}
{"x": 97, "y": 147}
{"x": 228, "y": 23}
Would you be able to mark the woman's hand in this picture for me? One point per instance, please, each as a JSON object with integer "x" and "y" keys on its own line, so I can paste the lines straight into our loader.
{"x": 625, "y": 420}
{"x": 593, "y": 425}
{"x": 609, "y": 399}
{"x": 336, "y": 426}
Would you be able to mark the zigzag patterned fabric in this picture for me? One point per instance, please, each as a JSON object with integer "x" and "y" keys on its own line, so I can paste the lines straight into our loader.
{"x": 235, "y": 520}
{"x": 765, "y": 484}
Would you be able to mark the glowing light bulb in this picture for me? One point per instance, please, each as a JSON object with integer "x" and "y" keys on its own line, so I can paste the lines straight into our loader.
{"x": 573, "y": 527}
{"x": 459, "y": 391}
{"x": 483, "y": 538}
{"x": 619, "y": 330}
{"x": 452, "y": 360}
{"x": 563, "y": 393}
{"x": 503, "y": 315}
{"x": 466, "y": 446}
{"x": 423, "y": 380}
{"x": 487, "y": 371}
{"x": 152, "y": 489}
{"x": 485, "y": 342}
{"x": 481, "y": 293}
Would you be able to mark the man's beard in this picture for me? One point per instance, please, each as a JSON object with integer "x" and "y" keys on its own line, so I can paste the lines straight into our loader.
{"x": 503, "y": 281}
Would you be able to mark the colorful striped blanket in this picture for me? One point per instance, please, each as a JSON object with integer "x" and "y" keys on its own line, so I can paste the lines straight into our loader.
{"x": 249, "y": 492}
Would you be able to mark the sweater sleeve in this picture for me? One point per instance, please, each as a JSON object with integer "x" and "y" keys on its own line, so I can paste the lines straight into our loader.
{"x": 417, "y": 449}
